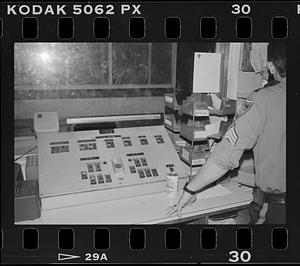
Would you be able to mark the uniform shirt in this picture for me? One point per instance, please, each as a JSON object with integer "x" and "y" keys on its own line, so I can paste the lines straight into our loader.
{"x": 261, "y": 126}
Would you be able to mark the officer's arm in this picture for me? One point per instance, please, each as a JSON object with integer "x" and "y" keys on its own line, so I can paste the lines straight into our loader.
{"x": 240, "y": 136}
{"x": 208, "y": 173}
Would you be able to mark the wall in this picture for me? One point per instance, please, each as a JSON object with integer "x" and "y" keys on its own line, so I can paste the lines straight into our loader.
{"x": 92, "y": 79}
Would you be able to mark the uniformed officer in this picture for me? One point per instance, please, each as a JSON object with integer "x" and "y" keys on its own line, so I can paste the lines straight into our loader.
{"x": 261, "y": 126}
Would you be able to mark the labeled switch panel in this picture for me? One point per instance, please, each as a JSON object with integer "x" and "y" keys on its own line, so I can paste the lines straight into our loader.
{"x": 59, "y": 149}
{"x": 114, "y": 161}
{"x": 87, "y": 145}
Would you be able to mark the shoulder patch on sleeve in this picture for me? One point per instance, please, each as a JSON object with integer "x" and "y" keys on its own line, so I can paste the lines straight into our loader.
{"x": 247, "y": 104}
{"x": 231, "y": 136}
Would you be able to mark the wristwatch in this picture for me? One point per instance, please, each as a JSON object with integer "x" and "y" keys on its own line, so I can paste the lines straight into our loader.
{"x": 189, "y": 191}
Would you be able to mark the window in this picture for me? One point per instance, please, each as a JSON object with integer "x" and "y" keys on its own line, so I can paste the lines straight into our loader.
{"x": 57, "y": 65}
{"x": 90, "y": 79}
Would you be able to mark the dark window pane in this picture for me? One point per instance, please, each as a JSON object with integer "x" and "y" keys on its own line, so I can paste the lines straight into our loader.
{"x": 161, "y": 63}
{"x": 130, "y": 63}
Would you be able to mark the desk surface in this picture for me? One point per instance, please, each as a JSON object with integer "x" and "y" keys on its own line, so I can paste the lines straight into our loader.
{"x": 147, "y": 209}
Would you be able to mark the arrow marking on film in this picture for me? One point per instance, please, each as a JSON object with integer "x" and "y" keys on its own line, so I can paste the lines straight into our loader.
{"x": 67, "y": 256}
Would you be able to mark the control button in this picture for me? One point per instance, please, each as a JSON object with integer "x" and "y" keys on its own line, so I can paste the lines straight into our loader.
{"x": 85, "y": 147}
{"x": 108, "y": 178}
{"x": 98, "y": 166}
{"x": 144, "y": 141}
{"x": 160, "y": 140}
{"x": 100, "y": 178}
{"x": 118, "y": 165}
{"x": 132, "y": 169}
{"x": 141, "y": 173}
{"x": 144, "y": 162}
{"x": 148, "y": 172}
{"x": 137, "y": 162}
{"x": 90, "y": 167}
{"x": 154, "y": 172}
{"x": 104, "y": 162}
{"x": 64, "y": 148}
{"x": 84, "y": 175}
{"x": 171, "y": 169}
{"x": 110, "y": 143}
{"x": 127, "y": 142}
{"x": 170, "y": 165}
{"x": 81, "y": 147}
{"x": 92, "y": 146}
{"x": 93, "y": 180}
{"x": 55, "y": 149}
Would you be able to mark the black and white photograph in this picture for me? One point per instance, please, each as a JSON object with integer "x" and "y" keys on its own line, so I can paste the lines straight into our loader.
{"x": 149, "y": 133}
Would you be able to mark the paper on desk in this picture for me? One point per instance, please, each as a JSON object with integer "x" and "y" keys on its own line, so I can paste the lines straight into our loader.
{"x": 216, "y": 101}
{"x": 215, "y": 191}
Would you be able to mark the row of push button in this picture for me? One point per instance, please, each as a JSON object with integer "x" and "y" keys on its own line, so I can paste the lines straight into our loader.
{"x": 59, "y": 149}
{"x": 147, "y": 172}
{"x": 87, "y": 146}
{"x": 91, "y": 168}
{"x": 110, "y": 143}
{"x": 141, "y": 162}
{"x": 100, "y": 179}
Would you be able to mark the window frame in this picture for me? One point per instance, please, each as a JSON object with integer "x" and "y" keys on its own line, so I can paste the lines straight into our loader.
{"x": 110, "y": 84}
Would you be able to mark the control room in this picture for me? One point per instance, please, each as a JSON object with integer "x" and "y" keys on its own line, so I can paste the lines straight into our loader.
{"x": 149, "y": 133}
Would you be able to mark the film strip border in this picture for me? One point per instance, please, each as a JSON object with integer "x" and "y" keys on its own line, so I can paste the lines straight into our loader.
{"x": 20, "y": 244}
{"x": 96, "y": 244}
{"x": 149, "y": 21}
{"x": 137, "y": 28}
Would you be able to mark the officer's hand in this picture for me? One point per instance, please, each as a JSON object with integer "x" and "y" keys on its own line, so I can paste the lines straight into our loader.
{"x": 182, "y": 202}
